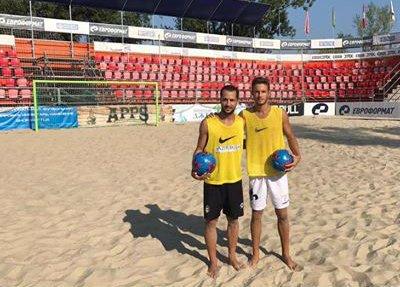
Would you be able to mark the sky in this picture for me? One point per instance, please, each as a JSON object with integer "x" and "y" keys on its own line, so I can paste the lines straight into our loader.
{"x": 320, "y": 15}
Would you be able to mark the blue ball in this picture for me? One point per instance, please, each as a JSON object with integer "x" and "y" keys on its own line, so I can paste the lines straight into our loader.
{"x": 204, "y": 163}
{"x": 280, "y": 158}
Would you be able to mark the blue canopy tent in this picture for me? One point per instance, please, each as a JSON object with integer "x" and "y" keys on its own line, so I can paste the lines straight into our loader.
{"x": 228, "y": 11}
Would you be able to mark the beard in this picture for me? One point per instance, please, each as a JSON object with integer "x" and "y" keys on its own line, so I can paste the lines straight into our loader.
{"x": 259, "y": 103}
{"x": 228, "y": 113}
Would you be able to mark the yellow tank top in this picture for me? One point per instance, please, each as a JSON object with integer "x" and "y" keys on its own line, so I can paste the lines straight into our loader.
{"x": 226, "y": 144}
{"x": 263, "y": 137}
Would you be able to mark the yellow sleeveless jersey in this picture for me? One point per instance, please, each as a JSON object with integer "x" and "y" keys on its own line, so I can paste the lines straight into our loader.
{"x": 226, "y": 144}
{"x": 263, "y": 137}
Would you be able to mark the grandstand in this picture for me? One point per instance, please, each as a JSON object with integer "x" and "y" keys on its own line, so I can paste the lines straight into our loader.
{"x": 186, "y": 75}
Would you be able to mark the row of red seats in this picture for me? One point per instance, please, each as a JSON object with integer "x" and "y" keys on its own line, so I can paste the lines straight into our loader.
{"x": 10, "y": 82}
{"x": 8, "y": 53}
{"x": 17, "y": 72}
{"x": 13, "y": 86}
{"x": 15, "y": 94}
{"x": 12, "y": 62}
{"x": 238, "y": 63}
{"x": 213, "y": 94}
{"x": 120, "y": 66}
{"x": 135, "y": 76}
{"x": 273, "y": 87}
{"x": 238, "y": 72}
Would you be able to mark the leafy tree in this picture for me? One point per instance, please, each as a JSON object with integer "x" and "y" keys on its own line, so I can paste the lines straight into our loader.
{"x": 275, "y": 22}
{"x": 79, "y": 13}
{"x": 378, "y": 21}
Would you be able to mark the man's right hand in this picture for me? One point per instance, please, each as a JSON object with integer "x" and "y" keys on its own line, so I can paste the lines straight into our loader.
{"x": 200, "y": 177}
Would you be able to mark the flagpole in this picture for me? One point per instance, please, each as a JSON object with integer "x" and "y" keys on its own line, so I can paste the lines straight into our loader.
{"x": 333, "y": 22}
{"x": 392, "y": 16}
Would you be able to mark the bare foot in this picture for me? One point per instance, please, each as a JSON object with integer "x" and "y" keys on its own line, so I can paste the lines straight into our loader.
{"x": 291, "y": 264}
{"x": 237, "y": 265}
{"x": 254, "y": 260}
{"x": 213, "y": 270}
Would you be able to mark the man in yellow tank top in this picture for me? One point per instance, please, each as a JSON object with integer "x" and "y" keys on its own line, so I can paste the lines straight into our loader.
{"x": 266, "y": 127}
{"x": 222, "y": 136}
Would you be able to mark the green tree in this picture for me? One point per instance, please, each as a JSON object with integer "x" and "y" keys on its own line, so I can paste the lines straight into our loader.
{"x": 275, "y": 22}
{"x": 378, "y": 21}
{"x": 79, "y": 13}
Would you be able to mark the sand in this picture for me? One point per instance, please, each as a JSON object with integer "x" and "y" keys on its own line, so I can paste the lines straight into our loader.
{"x": 117, "y": 207}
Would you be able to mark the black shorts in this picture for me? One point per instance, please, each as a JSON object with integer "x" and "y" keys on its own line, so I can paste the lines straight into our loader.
{"x": 227, "y": 197}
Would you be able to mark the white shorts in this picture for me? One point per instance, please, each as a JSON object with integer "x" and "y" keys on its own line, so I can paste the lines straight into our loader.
{"x": 263, "y": 187}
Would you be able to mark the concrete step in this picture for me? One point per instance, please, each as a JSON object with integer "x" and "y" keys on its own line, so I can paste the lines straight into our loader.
{"x": 394, "y": 96}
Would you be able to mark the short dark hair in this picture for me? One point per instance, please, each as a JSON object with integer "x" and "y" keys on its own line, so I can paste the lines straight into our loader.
{"x": 260, "y": 80}
{"x": 230, "y": 88}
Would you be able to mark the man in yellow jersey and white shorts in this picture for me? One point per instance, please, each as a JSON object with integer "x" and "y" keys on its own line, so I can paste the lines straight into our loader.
{"x": 222, "y": 136}
{"x": 266, "y": 126}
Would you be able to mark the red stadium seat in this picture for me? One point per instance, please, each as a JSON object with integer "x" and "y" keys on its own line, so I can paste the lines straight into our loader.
{"x": 22, "y": 82}
{"x": 144, "y": 76}
{"x": 13, "y": 94}
{"x": 6, "y": 72}
{"x": 138, "y": 93}
{"x": 103, "y": 66}
{"x": 12, "y": 53}
{"x": 117, "y": 75}
{"x": 106, "y": 58}
{"x": 15, "y": 62}
{"x": 10, "y": 83}
{"x": 128, "y": 94}
{"x": 18, "y": 72}
{"x": 112, "y": 66}
{"x": 138, "y": 68}
{"x": 120, "y": 66}
{"x": 108, "y": 75}
{"x": 126, "y": 75}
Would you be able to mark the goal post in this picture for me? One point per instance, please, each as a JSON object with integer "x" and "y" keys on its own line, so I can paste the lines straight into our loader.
{"x": 98, "y": 102}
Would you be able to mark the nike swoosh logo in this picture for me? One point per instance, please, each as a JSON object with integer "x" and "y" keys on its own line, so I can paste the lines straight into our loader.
{"x": 221, "y": 141}
{"x": 259, "y": 130}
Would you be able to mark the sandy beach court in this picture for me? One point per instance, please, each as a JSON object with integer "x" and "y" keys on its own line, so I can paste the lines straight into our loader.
{"x": 118, "y": 207}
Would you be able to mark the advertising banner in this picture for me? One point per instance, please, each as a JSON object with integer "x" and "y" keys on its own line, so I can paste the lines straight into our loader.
{"x": 239, "y": 41}
{"x": 369, "y": 109}
{"x": 319, "y": 109}
{"x": 116, "y": 115}
{"x": 266, "y": 43}
{"x": 202, "y": 38}
{"x": 326, "y": 43}
{"x": 386, "y": 39}
{"x": 295, "y": 44}
{"x": 108, "y": 30}
{"x": 293, "y": 110}
{"x": 66, "y": 26}
{"x": 197, "y": 112}
{"x": 49, "y": 118}
{"x": 145, "y": 33}
{"x": 179, "y": 36}
{"x": 21, "y": 22}
{"x": 7, "y": 40}
{"x": 356, "y": 42}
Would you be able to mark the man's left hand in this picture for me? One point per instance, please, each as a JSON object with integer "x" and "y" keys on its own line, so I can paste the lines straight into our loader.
{"x": 291, "y": 166}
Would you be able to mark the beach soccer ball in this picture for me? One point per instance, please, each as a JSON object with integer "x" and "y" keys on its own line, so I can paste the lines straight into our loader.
{"x": 204, "y": 163}
{"x": 280, "y": 158}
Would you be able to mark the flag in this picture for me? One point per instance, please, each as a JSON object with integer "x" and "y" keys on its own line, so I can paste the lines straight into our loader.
{"x": 364, "y": 22}
{"x": 392, "y": 15}
{"x": 307, "y": 23}
{"x": 333, "y": 18}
